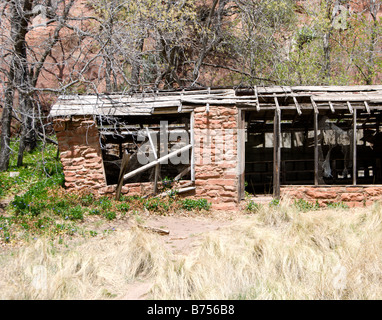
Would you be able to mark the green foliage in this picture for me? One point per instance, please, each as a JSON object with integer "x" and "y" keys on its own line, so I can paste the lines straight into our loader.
{"x": 305, "y": 206}
{"x": 75, "y": 213}
{"x": 252, "y": 206}
{"x": 157, "y": 204}
{"x": 87, "y": 199}
{"x": 109, "y": 215}
{"x": 35, "y": 199}
{"x": 124, "y": 207}
{"x": 167, "y": 183}
{"x": 274, "y": 203}
{"x": 195, "y": 204}
{"x": 5, "y": 224}
{"x": 337, "y": 205}
{"x": 94, "y": 212}
{"x": 104, "y": 203}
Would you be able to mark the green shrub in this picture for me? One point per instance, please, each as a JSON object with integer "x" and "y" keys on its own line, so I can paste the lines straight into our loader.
{"x": 124, "y": 207}
{"x": 305, "y": 206}
{"x": 87, "y": 199}
{"x": 60, "y": 206}
{"x": 110, "y": 215}
{"x": 252, "y": 206}
{"x": 76, "y": 213}
{"x": 158, "y": 204}
{"x": 94, "y": 212}
{"x": 195, "y": 204}
{"x": 337, "y": 205}
{"x": 167, "y": 183}
{"x": 274, "y": 203}
{"x": 104, "y": 202}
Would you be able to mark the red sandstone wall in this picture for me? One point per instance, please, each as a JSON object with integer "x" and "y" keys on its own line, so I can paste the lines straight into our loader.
{"x": 215, "y": 157}
{"x": 80, "y": 152}
{"x": 216, "y": 160}
{"x": 353, "y": 196}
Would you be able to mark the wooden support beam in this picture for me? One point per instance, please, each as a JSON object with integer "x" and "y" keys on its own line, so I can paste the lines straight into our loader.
{"x": 276, "y": 153}
{"x": 157, "y": 167}
{"x": 367, "y": 107}
{"x": 241, "y": 154}
{"x": 182, "y": 174}
{"x": 350, "y": 107}
{"x": 192, "y": 142}
{"x": 331, "y": 107}
{"x": 354, "y": 147}
{"x": 181, "y": 190}
{"x": 297, "y": 105}
{"x": 162, "y": 232}
{"x": 155, "y": 162}
{"x": 315, "y": 120}
{"x": 125, "y": 161}
{"x": 208, "y": 104}
{"x": 315, "y": 108}
{"x": 277, "y": 104}
{"x": 257, "y": 100}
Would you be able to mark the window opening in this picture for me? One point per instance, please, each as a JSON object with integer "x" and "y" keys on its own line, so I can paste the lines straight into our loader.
{"x": 130, "y": 133}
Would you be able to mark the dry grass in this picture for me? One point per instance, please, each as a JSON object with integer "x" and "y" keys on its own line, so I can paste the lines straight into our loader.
{"x": 277, "y": 253}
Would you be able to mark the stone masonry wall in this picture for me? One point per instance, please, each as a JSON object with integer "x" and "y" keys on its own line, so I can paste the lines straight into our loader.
{"x": 216, "y": 156}
{"x": 353, "y": 196}
{"x": 80, "y": 152}
{"x": 215, "y": 135}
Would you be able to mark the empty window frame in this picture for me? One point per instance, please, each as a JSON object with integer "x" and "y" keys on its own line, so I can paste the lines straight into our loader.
{"x": 131, "y": 134}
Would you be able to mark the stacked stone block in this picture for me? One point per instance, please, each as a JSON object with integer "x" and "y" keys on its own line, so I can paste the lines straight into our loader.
{"x": 80, "y": 152}
{"x": 353, "y": 196}
{"x": 216, "y": 176}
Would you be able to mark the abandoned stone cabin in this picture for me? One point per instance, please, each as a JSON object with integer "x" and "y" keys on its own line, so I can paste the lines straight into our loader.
{"x": 312, "y": 143}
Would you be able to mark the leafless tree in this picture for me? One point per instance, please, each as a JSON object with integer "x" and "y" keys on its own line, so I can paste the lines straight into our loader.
{"x": 22, "y": 64}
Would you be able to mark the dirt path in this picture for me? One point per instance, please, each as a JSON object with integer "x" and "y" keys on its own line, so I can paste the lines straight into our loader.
{"x": 185, "y": 234}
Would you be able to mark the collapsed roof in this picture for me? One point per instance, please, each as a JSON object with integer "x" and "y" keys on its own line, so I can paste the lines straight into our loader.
{"x": 297, "y": 98}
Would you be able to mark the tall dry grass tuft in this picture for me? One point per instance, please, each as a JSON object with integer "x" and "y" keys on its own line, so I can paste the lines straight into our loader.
{"x": 277, "y": 253}
{"x": 281, "y": 253}
{"x": 95, "y": 269}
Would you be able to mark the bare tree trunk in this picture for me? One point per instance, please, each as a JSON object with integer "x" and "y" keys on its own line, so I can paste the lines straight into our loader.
{"x": 17, "y": 44}
{"x": 6, "y": 119}
{"x": 28, "y": 136}
{"x": 136, "y": 67}
{"x": 327, "y": 67}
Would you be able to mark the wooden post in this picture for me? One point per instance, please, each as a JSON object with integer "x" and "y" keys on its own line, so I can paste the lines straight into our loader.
{"x": 354, "y": 146}
{"x": 276, "y": 151}
{"x": 125, "y": 160}
{"x": 192, "y": 142}
{"x": 257, "y": 99}
{"x": 157, "y": 167}
{"x": 315, "y": 115}
{"x": 241, "y": 153}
